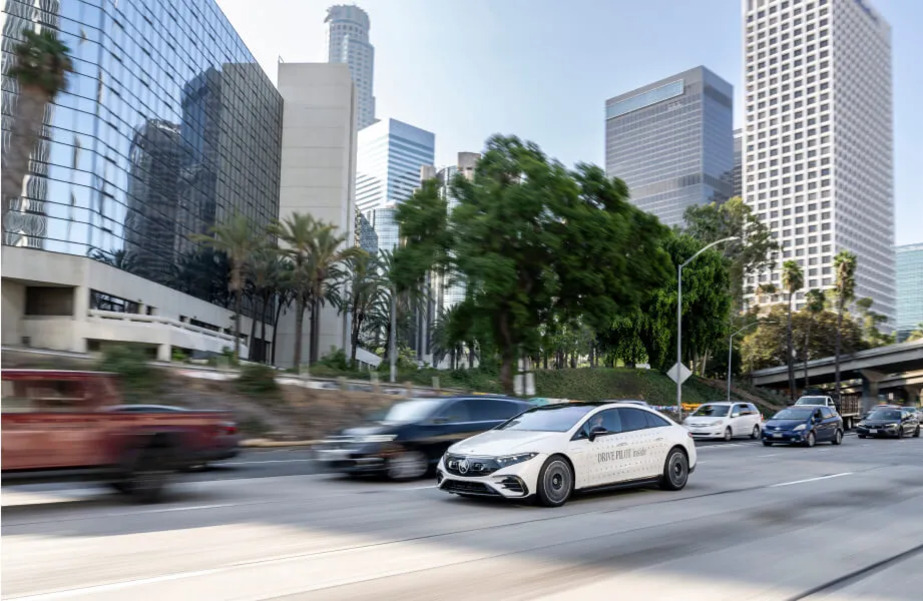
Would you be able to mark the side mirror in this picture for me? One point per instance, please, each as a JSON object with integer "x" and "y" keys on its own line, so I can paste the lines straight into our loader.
{"x": 597, "y": 431}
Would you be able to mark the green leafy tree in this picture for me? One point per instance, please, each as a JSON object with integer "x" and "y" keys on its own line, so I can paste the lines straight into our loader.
{"x": 871, "y": 321}
{"x": 752, "y": 252}
{"x": 41, "y": 64}
{"x": 361, "y": 287}
{"x": 238, "y": 240}
{"x": 266, "y": 274}
{"x": 916, "y": 334}
{"x": 792, "y": 281}
{"x": 844, "y": 264}
{"x": 814, "y": 306}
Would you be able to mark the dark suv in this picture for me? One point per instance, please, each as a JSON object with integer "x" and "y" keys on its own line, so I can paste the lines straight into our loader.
{"x": 407, "y": 441}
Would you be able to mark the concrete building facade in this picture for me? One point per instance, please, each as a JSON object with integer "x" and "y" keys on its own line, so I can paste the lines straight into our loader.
{"x": 818, "y": 139}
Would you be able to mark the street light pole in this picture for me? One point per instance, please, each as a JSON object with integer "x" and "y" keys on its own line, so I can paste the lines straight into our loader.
{"x": 731, "y": 348}
{"x": 679, "y": 323}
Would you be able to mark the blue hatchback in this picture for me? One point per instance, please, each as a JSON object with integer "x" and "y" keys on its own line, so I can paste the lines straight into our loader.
{"x": 805, "y": 426}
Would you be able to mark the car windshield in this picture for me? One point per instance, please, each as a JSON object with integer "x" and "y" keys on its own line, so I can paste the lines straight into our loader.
{"x": 794, "y": 414}
{"x": 712, "y": 411}
{"x": 551, "y": 418}
{"x": 811, "y": 400}
{"x": 411, "y": 411}
{"x": 885, "y": 414}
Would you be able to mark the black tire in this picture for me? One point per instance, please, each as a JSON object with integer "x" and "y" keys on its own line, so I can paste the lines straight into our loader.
{"x": 728, "y": 436}
{"x": 900, "y": 431}
{"x": 149, "y": 476}
{"x": 766, "y": 443}
{"x": 810, "y": 440}
{"x": 675, "y": 470}
{"x": 916, "y": 433}
{"x": 861, "y": 435}
{"x": 409, "y": 465}
{"x": 555, "y": 482}
{"x": 756, "y": 433}
{"x": 837, "y": 437}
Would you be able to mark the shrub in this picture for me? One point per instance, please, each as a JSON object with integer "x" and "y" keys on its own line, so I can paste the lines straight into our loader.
{"x": 257, "y": 379}
{"x": 336, "y": 360}
{"x": 137, "y": 376}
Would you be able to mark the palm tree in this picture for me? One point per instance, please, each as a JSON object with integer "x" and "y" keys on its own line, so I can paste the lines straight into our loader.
{"x": 792, "y": 281}
{"x": 362, "y": 287}
{"x": 844, "y": 263}
{"x": 42, "y": 63}
{"x": 814, "y": 306}
{"x": 298, "y": 232}
{"x": 328, "y": 253}
{"x": 265, "y": 271}
{"x": 237, "y": 239}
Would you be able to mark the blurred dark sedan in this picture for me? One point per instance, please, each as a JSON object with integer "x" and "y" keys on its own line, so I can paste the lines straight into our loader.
{"x": 407, "y": 441}
{"x": 889, "y": 422}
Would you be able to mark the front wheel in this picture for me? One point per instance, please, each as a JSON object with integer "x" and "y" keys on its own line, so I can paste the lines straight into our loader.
{"x": 811, "y": 440}
{"x": 675, "y": 471}
{"x": 408, "y": 465}
{"x": 916, "y": 433}
{"x": 728, "y": 435}
{"x": 861, "y": 435}
{"x": 900, "y": 431}
{"x": 837, "y": 437}
{"x": 555, "y": 482}
{"x": 766, "y": 443}
{"x": 756, "y": 433}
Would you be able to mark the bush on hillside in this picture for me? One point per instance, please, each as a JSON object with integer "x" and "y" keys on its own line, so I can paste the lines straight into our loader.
{"x": 257, "y": 378}
{"x": 131, "y": 363}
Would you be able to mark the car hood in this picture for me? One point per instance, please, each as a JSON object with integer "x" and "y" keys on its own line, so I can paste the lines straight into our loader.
{"x": 785, "y": 424}
{"x": 701, "y": 419}
{"x": 495, "y": 443}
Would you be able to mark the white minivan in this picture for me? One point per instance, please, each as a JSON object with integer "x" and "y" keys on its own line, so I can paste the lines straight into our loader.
{"x": 725, "y": 420}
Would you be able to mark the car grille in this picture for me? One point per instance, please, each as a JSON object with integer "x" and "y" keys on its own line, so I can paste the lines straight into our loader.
{"x": 477, "y": 466}
{"x": 514, "y": 484}
{"x": 469, "y": 488}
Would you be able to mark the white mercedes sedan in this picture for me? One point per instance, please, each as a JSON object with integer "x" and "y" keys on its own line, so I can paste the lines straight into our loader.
{"x": 551, "y": 451}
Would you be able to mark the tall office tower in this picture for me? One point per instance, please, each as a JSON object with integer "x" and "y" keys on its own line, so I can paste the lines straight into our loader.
{"x": 348, "y": 42}
{"x": 909, "y": 271}
{"x": 737, "y": 173}
{"x": 672, "y": 142}
{"x": 388, "y": 163}
{"x": 818, "y": 139}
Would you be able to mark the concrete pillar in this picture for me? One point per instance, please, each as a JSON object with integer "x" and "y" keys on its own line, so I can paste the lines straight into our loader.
{"x": 164, "y": 352}
{"x": 81, "y": 319}
{"x": 870, "y": 380}
{"x": 913, "y": 394}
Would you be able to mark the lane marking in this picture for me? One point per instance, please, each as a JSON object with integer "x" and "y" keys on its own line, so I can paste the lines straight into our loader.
{"x": 810, "y": 480}
{"x": 264, "y": 461}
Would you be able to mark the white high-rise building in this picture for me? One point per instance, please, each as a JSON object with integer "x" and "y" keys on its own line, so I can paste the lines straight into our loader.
{"x": 818, "y": 139}
{"x": 348, "y": 42}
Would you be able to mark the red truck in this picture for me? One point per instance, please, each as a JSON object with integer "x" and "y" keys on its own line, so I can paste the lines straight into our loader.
{"x": 62, "y": 425}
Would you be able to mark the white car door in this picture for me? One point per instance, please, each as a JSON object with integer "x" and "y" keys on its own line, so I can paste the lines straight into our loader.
{"x": 603, "y": 460}
{"x": 739, "y": 420}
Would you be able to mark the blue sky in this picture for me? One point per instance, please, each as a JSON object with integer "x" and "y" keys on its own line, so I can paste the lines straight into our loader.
{"x": 543, "y": 69}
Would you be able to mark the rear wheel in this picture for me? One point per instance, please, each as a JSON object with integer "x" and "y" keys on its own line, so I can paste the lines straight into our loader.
{"x": 837, "y": 437}
{"x": 727, "y": 434}
{"x": 811, "y": 440}
{"x": 756, "y": 433}
{"x": 149, "y": 477}
{"x": 675, "y": 471}
{"x": 555, "y": 482}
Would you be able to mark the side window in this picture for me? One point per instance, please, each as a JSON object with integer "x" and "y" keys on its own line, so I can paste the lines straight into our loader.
{"x": 53, "y": 396}
{"x": 828, "y": 413}
{"x": 655, "y": 421}
{"x": 456, "y": 412}
{"x": 632, "y": 419}
{"x": 610, "y": 420}
{"x": 15, "y": 397}
{"x": 753, "y": 409}
{"x": 481, "y": 410}
{"x": 740, "y": 410}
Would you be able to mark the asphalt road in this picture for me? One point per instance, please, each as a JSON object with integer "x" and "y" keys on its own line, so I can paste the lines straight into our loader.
{"x": 835, "y": 523}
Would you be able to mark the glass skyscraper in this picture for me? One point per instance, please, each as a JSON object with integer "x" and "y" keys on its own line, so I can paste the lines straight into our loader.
{"x": 388, "y": 164}
{"x": 909, "y": 271}
{"x": 672, "y": 143}
{"x": 348, "y": 42}
{"x": 167, "y": 128}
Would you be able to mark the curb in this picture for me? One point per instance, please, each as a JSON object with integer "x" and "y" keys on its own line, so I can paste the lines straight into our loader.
{"x": 265, "y": 443}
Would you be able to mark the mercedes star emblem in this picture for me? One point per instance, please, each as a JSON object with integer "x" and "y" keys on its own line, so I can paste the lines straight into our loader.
{"x": 463, "y": 466}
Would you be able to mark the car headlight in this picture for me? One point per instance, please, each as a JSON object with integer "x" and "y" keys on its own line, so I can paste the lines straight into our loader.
{"x": 377, "y": 438}
{"x": 509, "y": 460}
{"x": 891, "y": 426}
{"x": 799, "y": 428}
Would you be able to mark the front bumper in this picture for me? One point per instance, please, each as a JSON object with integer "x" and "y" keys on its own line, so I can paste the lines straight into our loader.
{"x": 705, "y": 432}
{"x": 784, "y": 436}
{"x": 514, "y": 482}
{"x": 882, "y": 432}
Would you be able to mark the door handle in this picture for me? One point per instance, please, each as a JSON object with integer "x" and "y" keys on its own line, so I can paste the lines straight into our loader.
{"x": 659, "y": 439}
{"x": 622, "y": 444}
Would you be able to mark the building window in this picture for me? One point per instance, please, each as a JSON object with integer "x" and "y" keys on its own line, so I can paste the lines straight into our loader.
{"x": 106, "y": 302}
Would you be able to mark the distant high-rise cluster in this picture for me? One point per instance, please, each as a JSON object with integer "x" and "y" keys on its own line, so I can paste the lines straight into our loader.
{"x": 348, "y": 42}
{"x": 818, "y": 139}
{"x": 909, "y": 271}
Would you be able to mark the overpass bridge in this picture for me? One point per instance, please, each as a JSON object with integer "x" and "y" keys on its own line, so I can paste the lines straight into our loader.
{"x": 897, "y": 368}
